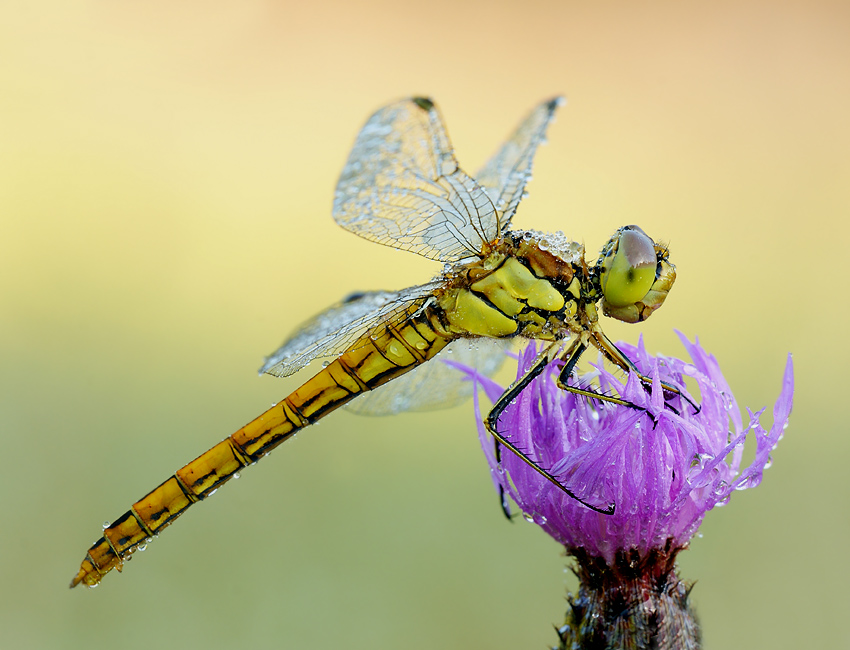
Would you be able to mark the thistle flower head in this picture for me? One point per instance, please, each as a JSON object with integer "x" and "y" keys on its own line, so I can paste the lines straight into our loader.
{"x": 663, "y": 465}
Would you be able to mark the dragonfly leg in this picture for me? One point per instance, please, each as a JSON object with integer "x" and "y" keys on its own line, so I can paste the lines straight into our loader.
{"x": 492, "y": 419}
{"x": 572, "y": 356}
{"x": 503, "y": 496}
{"x": 492, "y": 424}
{"x": 619, "y": 358}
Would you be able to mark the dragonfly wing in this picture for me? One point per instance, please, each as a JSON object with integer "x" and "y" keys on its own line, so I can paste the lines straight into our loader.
{"x": 434, "y": 384}
{"x": 332, "y": 331}
{"x": 507, "y": 172}
{"x": 402, "y": 187}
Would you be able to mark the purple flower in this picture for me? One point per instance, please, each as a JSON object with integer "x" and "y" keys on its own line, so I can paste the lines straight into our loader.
{"x": 663, "y": 467}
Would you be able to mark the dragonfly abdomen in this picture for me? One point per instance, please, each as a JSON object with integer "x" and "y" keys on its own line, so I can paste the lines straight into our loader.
{"x": 368, "y": 363}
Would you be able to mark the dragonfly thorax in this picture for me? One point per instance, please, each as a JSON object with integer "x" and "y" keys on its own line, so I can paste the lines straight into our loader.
{"x": 518, "y": 289}
{"x": 556, "y": 243}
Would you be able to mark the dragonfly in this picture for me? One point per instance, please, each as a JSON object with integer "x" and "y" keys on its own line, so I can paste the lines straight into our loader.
{"x": 402, "y": 187}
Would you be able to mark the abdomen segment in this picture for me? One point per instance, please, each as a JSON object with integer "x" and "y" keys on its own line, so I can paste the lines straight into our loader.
{"x": 369, "y": 363}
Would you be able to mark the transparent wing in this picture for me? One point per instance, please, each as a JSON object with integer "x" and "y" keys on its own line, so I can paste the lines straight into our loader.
{"x": 434, "y": 384}
{"x": 335, "y": 329}
{"x": 505, "y": 175}
{"x": 402, "y": 187}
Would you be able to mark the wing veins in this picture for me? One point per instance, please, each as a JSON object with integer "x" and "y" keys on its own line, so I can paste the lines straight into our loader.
{"x": 402, "y": 187}
{"x": 334, "y": 330}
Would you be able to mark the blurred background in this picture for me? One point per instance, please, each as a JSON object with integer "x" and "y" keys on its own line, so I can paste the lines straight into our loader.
{"x": 166, "y": 178}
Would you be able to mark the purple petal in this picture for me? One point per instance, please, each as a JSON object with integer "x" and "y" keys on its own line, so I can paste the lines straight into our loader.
{"x": 664, "y": 471}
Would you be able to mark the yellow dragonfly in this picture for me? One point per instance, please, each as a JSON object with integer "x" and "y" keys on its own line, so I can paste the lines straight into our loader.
{"x": 402, "y": 187}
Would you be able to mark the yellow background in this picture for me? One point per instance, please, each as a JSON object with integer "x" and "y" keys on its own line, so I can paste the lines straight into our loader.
{"x": 166, "y": 177}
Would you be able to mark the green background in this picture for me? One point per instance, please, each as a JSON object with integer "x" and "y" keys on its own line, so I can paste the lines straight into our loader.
{"x": 166, "y": 176}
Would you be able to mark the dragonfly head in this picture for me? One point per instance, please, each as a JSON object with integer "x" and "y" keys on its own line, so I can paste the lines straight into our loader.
{"x": 634, "y": 275}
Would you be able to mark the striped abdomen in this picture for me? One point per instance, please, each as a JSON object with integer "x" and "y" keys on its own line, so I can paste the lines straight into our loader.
{"x": 370, "y": 362}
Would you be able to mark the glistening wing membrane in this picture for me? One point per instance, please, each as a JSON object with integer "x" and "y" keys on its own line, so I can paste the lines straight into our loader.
{"x": 402, "y": 187}
{"x": 505, "y": 175}
{"x": 333, "y": 330}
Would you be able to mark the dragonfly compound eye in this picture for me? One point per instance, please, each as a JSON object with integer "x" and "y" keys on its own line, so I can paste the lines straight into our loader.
{"x": 634, "y": 275}
{"x": 629, "y": 272}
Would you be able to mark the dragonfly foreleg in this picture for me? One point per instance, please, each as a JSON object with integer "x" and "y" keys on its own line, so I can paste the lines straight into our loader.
{"x": 572, "y": 356}
{"x": 619, "y": 358}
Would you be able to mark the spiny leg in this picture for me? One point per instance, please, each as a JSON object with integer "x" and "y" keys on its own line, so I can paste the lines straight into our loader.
{"x": 619, "y": 358}
{"x": 573, "y": 354}
{"x": 492, "y": 421}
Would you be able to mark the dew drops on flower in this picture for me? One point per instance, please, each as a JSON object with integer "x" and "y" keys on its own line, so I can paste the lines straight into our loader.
{"x": 664, "y": 465}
